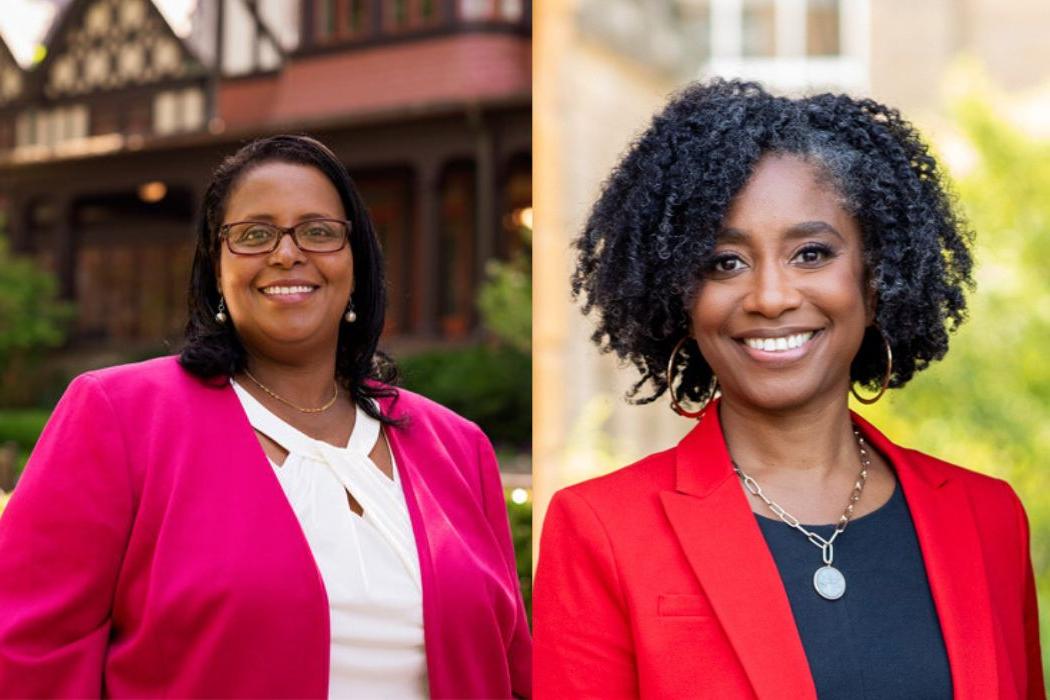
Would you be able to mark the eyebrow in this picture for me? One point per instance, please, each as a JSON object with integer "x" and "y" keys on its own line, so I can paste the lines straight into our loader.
{"x": 303, "y": 217}
{"x": 800, "y": 230}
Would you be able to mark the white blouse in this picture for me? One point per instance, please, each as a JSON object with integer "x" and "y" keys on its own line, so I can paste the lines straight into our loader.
{"x": 368, "y": 563}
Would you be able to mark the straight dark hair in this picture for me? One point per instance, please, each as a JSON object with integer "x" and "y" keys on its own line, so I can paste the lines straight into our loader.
{"x": 214, "y": 350}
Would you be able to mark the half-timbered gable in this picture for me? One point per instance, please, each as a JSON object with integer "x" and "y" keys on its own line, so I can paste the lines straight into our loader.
{"x": 257, "y": 36}
{"x": 12, "y": 78}
{"x": 121, "y": 63}
{"x": 12, "y": 88}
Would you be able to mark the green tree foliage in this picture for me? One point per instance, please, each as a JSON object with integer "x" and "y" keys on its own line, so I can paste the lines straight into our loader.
{"x": 505, "y": 299}
{"x": 491, "y": 386}
{"x": 31, "y": 315}
{"x": 521, "y": 531}
{"x": 986, "y": 406}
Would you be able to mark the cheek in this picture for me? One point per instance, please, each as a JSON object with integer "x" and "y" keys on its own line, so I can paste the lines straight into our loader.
{"x": 230, "y": 275}
{"x": 341, "y": 272}
{"x": 710, "y": 309}
{"x": 846, "y": 296}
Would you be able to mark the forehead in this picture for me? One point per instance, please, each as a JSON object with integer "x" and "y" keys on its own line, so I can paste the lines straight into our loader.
{"x": 784, "y": 191}
{"x": 281, "y": 191}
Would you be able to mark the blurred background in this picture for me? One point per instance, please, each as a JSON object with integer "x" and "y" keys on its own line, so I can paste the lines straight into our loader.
{"x": 973, "y": 75}
{"x": 113, "y": 113}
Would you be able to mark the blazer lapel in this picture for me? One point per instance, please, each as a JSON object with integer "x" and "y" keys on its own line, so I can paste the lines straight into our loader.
{"x": 714, "y": 524}
{"x": 421, "y": 510}
{"x": 947, "y": 530}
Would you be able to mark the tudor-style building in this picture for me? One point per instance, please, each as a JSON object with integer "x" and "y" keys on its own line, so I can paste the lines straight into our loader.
{"x": 106, "y": 145}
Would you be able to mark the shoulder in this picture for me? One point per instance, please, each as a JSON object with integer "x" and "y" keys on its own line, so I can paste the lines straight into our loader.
{"x": 162, "y": 374}
{"x": 942, "y": 470}
{"x": 147, "y": 390}
{"x": 422, "y": 415}
{"x": 982, "y": 490}
{"x": 988, "y": 494}
{"x": 625, "y": 490}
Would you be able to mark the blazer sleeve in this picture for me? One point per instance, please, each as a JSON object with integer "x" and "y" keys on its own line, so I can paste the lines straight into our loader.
{"x": 519, "y": 649}
{"x": 62, "y": 539}
{"x": 584, "y": 647}
{"x": 1034, "y": 660}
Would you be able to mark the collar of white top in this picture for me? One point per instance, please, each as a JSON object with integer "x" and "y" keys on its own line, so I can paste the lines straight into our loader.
{"x": 362, "y": 438}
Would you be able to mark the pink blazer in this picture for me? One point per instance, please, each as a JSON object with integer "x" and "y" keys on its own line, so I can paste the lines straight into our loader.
{"x": 150, "y": 551}
{"x": 655, "y": 581}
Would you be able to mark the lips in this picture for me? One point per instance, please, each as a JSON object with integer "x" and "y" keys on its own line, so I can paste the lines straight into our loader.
{"x": 781, "y": 343}
{"x": 778, "y": 346}
{"x": 287, "y": 290}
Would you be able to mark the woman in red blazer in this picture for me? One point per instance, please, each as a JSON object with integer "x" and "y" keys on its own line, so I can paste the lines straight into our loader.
{"x": 760, "y": 256}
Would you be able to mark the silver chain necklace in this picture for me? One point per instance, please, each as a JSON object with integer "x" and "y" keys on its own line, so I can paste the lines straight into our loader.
{"x": 829, "y": 581}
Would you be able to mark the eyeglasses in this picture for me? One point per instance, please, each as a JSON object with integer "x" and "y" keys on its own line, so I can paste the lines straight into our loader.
{"x": 260, "y": 237}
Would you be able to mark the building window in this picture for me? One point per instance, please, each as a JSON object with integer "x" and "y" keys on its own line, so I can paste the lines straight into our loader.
{"x": 398, "y": 13}
{"x": 456, "y": 251}
{"x": 7, "y": 134}
{"x": 325, "y": 19}
{"x": 339, "y": 20}
{"x": 822, "y": 28}
{"x": 388, "y": 195}
{"x": 759, "y": 28}
{"x": 483, "y": 10}
{"x": 402, "y": 15}
{"x": 357, "y": 17}
{"x": 52, "y": 127}
{"x": 694, "y": 18}
{"x": 176, "y": 111}
{"x": 25, "y": 129}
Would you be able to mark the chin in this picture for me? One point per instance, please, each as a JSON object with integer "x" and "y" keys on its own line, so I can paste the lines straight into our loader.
{"x": 292, "y": 332}
{"x": 777, "y": 398}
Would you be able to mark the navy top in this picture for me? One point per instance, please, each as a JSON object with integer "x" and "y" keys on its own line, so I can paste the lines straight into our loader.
{"x": 882, "y": 638}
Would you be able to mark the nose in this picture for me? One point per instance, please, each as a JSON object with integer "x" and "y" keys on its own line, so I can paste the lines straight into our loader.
{"x": 287, "y": 253}
{"x": 773, "y": 292}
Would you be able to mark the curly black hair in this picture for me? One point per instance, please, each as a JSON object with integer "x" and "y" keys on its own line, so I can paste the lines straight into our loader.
{"x": 653, "y": 228}
{"x": 213, "y": 350}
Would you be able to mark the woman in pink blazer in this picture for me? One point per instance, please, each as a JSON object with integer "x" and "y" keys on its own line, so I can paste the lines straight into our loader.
{"x": 760, "y": 256}
{"x": 149, "y": 550}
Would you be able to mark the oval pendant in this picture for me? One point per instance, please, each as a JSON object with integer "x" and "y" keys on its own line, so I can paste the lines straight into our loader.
{"x": 829, "y": 582}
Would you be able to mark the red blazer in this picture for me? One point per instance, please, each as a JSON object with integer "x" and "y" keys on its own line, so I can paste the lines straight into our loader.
{"x": 655, "y": 581}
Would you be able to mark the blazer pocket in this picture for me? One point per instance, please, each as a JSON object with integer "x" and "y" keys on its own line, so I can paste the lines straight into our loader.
{"x": 683, "y": 605}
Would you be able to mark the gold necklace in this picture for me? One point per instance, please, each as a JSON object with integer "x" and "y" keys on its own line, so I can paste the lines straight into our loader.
{"x": 271, "y": 392}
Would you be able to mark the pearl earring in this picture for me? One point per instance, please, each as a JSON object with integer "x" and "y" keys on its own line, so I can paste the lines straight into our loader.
{"x": 350, "y": 314}
{"x": 221, "y": 316}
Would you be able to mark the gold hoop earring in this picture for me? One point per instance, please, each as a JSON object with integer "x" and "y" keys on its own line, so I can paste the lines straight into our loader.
{"x": 885, "y": 378}
{"x": 677, "y": 407}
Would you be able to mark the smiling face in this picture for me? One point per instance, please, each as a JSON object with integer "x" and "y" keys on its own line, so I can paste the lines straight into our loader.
{"x": 781, "y": 312}
{"x": 286, "y": 303}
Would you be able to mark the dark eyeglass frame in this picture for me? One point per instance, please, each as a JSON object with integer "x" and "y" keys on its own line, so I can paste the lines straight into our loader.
{"x": 224, "y": 232}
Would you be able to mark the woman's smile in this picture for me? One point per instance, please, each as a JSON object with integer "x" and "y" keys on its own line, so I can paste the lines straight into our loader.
{"x": 289, "y": 291}
{"x": 779, "y": 347}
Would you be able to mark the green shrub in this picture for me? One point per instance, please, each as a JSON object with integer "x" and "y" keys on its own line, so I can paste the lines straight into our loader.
{"x": 491, "y": 386}
{"x": 521, "y": 531}
{"x": 22, "y": 426}
{"x": 505, "y": 297}
{"x": 32, "y": 316}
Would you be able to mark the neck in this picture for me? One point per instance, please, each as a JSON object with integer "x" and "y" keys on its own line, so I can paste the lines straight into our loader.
{"x": 814, "y": 441}
{"x": 307, "y": 384}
